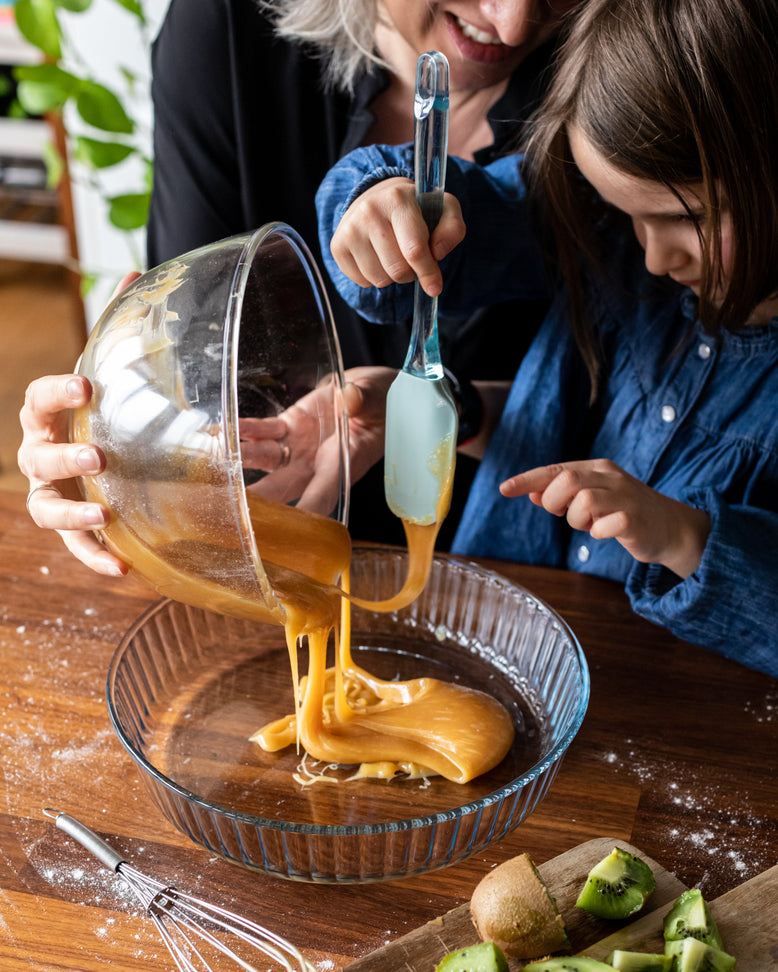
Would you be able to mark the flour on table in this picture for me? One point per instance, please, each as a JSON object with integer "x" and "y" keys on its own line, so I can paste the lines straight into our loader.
{"x": 706, "y": 825}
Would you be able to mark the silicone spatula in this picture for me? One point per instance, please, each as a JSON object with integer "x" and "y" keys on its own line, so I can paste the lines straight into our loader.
{"x": 421, "y": 417}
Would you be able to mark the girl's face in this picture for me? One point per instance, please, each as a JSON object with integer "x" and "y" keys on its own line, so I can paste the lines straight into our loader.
{"x": 666, "y": 231}
{"x": 484, "y": 40}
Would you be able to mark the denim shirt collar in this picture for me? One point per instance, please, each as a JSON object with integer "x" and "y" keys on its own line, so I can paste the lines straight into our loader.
{"x": 747, "y": 340}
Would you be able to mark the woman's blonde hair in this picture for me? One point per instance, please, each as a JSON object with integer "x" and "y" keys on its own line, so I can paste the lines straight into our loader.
{"x": 342, "y": 32}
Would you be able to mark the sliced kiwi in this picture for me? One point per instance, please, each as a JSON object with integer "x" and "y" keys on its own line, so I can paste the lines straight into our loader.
{"x": 690, "y": 917}
{"x": 512, "y": 907}
{"x": 484, "y": 957}
{"x": 568, "y": 963}
{"x": 692, "y": 955}
{"x": 617, "y": 887}
{"x": 639, "y": 961}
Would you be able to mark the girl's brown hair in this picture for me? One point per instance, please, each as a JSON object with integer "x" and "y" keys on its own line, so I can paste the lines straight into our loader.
{"x": 677, "y": 92}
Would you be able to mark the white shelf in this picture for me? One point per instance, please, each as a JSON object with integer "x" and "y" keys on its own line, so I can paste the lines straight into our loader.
{"x": 35, "y": 242}
{"x": 13, "y": 48}
{"x": 24, "y": 137}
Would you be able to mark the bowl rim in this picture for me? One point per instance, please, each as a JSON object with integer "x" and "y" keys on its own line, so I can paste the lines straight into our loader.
{"x": 497, "y": 796}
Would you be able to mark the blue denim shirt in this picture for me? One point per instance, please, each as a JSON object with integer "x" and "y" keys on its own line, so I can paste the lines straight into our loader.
{"x": 692, "y": 416}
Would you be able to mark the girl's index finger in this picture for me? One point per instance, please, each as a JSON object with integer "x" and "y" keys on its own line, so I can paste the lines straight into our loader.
{"x": 450, "y": 230}
{"x": 413, "y": 239}
{"x": 531, "y": 481}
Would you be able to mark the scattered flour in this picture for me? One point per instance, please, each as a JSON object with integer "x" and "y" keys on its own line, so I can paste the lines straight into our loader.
{"x": 724, "y": 835}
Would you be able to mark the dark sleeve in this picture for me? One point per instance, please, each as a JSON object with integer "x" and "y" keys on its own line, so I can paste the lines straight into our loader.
{"x": 244, "y": 130}
{"x": 197, "y": 195}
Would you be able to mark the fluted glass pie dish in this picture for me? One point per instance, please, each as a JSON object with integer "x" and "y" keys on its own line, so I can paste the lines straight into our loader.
{"x": 188, "y": 687}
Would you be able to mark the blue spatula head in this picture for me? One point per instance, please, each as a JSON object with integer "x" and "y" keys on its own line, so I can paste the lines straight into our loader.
{"x": 421, "y": 435}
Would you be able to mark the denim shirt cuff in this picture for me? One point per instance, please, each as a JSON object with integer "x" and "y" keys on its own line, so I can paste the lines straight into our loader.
{"x": 657, "y": 593}
{"x": 729, "y": 603}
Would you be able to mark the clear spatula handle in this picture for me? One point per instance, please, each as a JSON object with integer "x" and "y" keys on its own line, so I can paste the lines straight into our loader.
{"x": 430, "y": 111}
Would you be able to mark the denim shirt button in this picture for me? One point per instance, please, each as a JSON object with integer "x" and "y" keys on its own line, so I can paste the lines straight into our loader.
{"x": 668, "y": 413}
{"x": 704, "y": 351}
{"x": 583, "y": 553}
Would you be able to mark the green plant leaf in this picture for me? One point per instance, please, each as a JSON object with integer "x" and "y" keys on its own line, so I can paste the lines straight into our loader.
{"x": 55, "y": 164}
{"x": 96, "y": 154}
{"x": 101, "y": 108}
{"x": 129, "y": 211}
{"x": 148, "y": 173}
{"x": 130, "y": 78}
{"x": 37, "y": 99}
{"x": 43, "y": 87}
{"x": 74, "y": 6}
{"x": 47, "y": 74}
{"x": 37, "y": 22}
{"x": 135, "y": 8}
{"x": 88, "y": 281}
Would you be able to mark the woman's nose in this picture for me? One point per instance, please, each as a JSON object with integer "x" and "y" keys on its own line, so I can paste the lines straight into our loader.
{"x": 517, "y": 22}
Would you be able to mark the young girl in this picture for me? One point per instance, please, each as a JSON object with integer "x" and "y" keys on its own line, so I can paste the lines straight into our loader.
{"x": 645, "y": 416}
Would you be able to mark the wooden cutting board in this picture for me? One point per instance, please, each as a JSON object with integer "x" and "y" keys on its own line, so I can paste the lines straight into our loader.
{"x": 747, "y": 917}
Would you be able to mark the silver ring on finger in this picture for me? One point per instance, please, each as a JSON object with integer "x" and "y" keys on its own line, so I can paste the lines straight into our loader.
{"x": 286, "y": 454}
{"x": 37, "y": 488}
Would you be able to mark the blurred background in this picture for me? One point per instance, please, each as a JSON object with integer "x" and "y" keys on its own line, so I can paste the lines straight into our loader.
{"x": 60, "y": 256}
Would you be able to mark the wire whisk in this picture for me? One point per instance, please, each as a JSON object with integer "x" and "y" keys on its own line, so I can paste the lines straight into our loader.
{"x": 188, "y": 926}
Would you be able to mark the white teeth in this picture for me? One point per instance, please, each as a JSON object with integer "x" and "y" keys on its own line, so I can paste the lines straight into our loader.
{"x": 475, "y": 34}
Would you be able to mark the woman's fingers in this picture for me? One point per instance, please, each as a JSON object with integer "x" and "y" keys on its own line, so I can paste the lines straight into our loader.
{"x": 50, "y": 462}
{"x": 51, "y": 511}
{"x": 88, "y": 549}
{"x": 46, "y": 399}
{"x": 126, "y": 280}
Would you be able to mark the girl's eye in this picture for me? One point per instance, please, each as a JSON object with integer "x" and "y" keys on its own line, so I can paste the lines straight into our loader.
{"x": 696, "y": 219}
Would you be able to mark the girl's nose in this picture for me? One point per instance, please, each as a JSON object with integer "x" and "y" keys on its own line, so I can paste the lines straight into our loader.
{"x": 662, "y": 255}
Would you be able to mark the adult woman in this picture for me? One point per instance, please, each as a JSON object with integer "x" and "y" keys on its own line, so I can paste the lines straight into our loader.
{"x": 251, "y": 109}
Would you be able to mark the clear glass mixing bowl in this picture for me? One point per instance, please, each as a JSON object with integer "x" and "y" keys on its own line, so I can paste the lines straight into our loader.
{"x": 182, "y": 362}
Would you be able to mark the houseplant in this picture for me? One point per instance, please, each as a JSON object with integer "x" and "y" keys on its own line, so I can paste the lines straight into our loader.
{"x": 107, "y": 142}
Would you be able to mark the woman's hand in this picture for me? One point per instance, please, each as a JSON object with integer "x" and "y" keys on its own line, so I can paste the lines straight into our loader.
{"x": 52, "y": 464}
{"x": 383, "y": 239}
{"x": 300, "y": 448}
{"x": 598, "y": 496}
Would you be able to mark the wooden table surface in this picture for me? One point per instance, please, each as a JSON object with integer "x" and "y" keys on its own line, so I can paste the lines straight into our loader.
{"x": 676, "y": 755}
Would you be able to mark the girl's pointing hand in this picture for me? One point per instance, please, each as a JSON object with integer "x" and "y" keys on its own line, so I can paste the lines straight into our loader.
{"x": 599, "y": 497}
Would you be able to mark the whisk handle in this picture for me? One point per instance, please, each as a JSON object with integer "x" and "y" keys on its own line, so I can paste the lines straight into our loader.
{"x": 87, "y": 838}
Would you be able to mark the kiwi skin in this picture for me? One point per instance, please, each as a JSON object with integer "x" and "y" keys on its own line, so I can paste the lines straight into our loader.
{"x": 511, "y": 907}
{"x": 568, "y": 963}
{"x": 617, "y": 886}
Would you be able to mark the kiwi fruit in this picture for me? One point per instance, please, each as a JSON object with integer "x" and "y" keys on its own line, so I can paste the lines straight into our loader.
{"x": 568, "y": 963}
{"x": 639, "y": 961}
{"x": 692, "y": 955}
{"x": 690, "y": 917}
{"x": 484, "y": 957}
{"x": 617, "y": 887}
{"x": 512, "y": 908}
